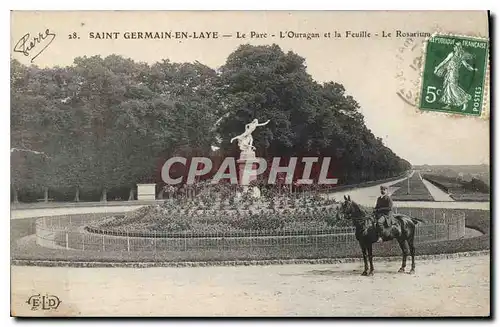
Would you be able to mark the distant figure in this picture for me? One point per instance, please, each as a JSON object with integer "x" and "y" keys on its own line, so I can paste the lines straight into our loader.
{"x": 453, "y": 94}
{"x": 383, "y": 212}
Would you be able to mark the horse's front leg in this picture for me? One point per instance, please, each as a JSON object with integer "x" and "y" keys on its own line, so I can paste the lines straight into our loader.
{"x": 404, "y": 249}
{"x": 363, "y": 249}
{"x": 370, "y": 257}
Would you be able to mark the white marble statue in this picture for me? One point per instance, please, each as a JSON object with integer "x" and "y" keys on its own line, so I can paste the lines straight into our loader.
{"x": 245, "y": 140}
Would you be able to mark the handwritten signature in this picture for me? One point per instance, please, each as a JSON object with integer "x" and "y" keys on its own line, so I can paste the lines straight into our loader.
{"x": 27, "y": 44}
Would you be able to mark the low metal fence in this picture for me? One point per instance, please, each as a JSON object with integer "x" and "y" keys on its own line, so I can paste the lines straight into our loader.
{"x": 452, "y": 219}
{"x": 68, "y": 232}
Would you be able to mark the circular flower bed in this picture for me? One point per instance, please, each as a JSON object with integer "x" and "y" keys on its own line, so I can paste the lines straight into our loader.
{"x": 211, "y": 215}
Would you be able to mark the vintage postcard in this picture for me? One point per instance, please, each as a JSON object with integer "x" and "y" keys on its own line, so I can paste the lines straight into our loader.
{"x": 250, "y": 164}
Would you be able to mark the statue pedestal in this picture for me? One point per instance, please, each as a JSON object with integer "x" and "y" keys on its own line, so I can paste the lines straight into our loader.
{"x": 247, "y": 169}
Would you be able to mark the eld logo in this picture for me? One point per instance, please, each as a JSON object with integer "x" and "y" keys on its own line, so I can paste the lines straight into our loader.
{"x": 44, "y": 302}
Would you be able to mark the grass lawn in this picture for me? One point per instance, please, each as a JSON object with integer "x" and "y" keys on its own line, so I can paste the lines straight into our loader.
{"x": 418, "y": 191}
{"x": 473, "y": 197}
{"x": 459, "y": 190}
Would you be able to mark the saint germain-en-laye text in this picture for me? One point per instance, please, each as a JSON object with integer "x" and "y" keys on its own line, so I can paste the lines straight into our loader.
{"x": 253, "y": 34}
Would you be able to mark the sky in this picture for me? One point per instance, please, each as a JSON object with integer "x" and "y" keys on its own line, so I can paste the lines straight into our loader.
{"x": 372, "y": 69}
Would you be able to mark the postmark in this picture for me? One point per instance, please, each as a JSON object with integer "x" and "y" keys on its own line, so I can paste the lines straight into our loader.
{"x": 409, "y": 68}
{"x": 454, "y": 74}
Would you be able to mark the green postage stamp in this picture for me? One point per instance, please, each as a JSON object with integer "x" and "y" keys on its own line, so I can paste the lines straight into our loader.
{"x": 453, "y": 78}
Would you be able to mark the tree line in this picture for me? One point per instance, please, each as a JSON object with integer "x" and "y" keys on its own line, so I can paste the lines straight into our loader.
{"x": 102, "y": 125}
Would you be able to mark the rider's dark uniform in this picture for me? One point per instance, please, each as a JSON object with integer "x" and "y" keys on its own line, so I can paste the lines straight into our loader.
{"x": 383, "y": 208}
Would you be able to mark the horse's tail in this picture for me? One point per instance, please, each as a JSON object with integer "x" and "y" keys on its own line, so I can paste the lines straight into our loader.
{"x": 234, "y": 138}
{"x": 417, "y": 220}
{"x": 403, "y": 217}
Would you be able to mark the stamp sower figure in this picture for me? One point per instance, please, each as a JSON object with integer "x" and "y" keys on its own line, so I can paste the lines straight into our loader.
{"x": 383, "y": 209}
{"x": 453, "y": 94}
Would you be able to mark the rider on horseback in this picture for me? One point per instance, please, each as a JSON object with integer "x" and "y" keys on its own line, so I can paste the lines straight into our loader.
{"x": 383, "y": 208}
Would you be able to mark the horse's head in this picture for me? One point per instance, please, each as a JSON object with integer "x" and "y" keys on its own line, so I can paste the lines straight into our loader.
{"x": 349, "y": 208}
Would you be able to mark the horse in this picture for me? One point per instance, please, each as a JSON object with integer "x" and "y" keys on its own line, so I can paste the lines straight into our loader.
{"x": 364, "y": 222}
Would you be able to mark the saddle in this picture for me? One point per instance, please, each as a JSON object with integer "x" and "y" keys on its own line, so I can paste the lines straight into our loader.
{"x": 387, "y": 220}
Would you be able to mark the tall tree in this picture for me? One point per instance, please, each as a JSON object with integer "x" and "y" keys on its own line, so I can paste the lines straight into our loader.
{"x": 108, "y": 123}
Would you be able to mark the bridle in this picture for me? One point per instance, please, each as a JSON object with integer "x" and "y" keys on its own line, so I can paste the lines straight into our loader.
{"x": 355, "y": 212}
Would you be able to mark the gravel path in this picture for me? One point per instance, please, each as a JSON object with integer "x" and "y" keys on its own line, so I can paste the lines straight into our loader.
{"x": 450, "y": 205}
{"x": 30, "y": 213}
{"x": 452, "y": 287}
{"x": 365, "y": 195}
{"x": 436, "y": 192}
{"x": 368, "y": 196}
{"x": 447, "y": 287}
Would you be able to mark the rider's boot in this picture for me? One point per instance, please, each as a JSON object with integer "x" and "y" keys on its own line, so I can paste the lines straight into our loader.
{"x": 379, "y": 232}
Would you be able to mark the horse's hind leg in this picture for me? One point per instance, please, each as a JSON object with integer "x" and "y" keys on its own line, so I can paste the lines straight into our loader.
{"x": 412, "y": 253}
{"x": 404, "y": 248}
{"x": 370, "y": 257}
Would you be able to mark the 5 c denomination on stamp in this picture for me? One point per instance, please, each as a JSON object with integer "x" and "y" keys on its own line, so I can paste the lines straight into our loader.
{"x": 453, "y": 78}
